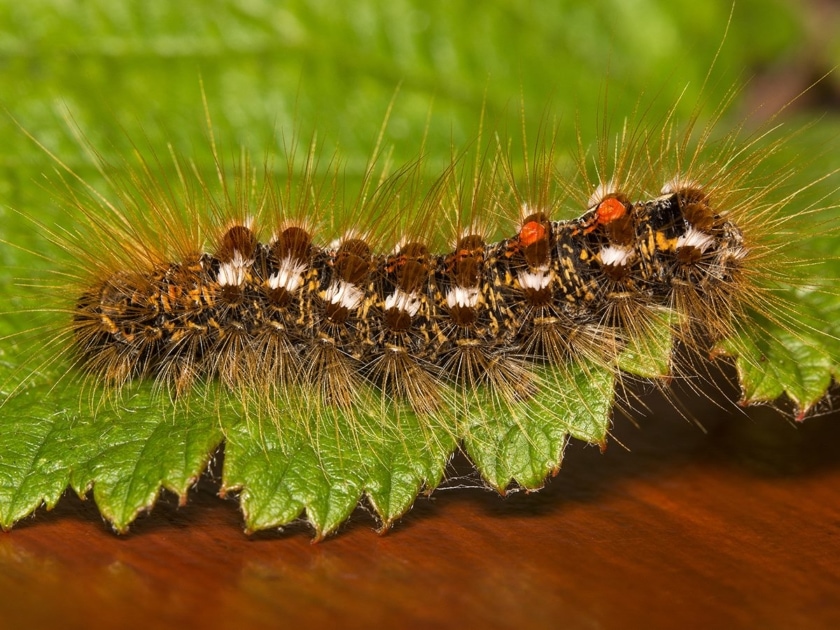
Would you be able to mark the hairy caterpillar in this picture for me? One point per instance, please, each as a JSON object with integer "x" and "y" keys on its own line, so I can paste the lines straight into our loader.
{"x": 297, "y": 309}
{"x": 288, "y": 312}
{"x": 411, "y": 303}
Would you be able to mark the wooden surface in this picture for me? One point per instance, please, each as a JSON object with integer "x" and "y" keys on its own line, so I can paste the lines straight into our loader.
{"x": 736, "y": 527}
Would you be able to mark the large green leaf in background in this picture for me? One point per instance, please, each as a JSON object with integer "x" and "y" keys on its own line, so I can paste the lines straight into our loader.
{"x": 130, "y": 73}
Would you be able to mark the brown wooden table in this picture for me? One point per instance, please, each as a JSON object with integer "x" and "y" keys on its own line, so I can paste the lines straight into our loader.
{"x": 736, "y": 527}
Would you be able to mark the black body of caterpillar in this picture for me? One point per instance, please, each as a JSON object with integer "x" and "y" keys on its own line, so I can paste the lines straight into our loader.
{"x": 291, "y": 312}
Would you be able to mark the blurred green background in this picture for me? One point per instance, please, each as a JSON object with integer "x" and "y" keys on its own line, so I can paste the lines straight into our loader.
{"x": 130, "y": 72}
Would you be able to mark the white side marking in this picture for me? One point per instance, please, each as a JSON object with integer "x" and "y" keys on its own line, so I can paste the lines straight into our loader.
{"x": 695, "y": 238}
{"x": 408, "y": 302}
{"x": 344, "y": 294}
{"x": 289, "y": 276}
{"x": 536, "y": 279}
{"x": 232, "y": 273}
{"x": 616, "y": 256}
{"x": 462, "y": 296}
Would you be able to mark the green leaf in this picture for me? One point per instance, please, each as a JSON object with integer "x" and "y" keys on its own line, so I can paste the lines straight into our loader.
{"x": 797, "y": 355}
{"x": 409, "y": 458}
{"x": 649, "y": 353}
{"x": 36, "y": 449}
{"x": 323, "y": 460}
{"x": 523, "y": 442}
{"x": 126, "y": 452}
{"x": 770, "y": 367}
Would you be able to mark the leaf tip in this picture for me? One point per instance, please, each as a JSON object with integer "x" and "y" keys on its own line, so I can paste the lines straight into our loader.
{"x": 120, "y": 527}
{"x": 385, "y": 526}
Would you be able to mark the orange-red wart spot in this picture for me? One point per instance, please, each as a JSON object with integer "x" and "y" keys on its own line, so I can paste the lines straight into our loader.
{"x": 532, "y": 232}
{"x": 609, "y": 210}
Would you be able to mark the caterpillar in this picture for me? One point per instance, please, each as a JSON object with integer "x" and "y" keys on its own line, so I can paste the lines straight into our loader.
{"x": 433, "y": 304}
{"x": 289, "y": 312}
{"x": 272, "y": 306}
